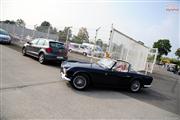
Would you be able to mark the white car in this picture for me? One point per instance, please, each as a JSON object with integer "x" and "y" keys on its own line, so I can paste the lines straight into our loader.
{"x": 93, "y": 50}
{"x": 78, "y": 48}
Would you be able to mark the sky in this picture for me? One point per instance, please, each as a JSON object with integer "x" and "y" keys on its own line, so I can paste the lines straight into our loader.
{"x": 145, "y": 21}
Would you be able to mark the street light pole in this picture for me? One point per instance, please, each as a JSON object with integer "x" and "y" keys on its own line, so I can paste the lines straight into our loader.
{"x": 67, "y": 37}
{"x": 97, "y": 33}
{"x": 95, "y": 41}
{"x": 34, "y": 30}
{"x": 48, "y": 31}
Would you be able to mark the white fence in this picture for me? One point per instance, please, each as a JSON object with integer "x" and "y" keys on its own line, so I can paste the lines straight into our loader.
{"x": 125, "y": 48}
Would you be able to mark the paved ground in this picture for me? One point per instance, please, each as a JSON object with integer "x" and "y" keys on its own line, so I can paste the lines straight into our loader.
{"x": 30, "y": 90}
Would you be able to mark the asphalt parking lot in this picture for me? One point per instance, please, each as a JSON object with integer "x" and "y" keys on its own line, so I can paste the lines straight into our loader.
{"x": 30, "y": 90}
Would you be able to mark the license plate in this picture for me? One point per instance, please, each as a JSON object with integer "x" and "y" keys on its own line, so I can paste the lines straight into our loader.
{"x": 60, "y": 58}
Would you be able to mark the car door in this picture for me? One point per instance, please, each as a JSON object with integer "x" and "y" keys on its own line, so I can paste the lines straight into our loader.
{"x": 38, "y": 46}
{"x": 30, "y": 46}
{"x": 119, "y": 74}
{"x": 100, "y": 76}
{"x": 119, "y": 78}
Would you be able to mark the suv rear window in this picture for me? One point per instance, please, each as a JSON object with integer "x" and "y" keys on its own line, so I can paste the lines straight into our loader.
{"x": 56, "y": 45}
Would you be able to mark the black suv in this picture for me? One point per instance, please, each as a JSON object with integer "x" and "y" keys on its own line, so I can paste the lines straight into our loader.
{"x": 45, "y": 50}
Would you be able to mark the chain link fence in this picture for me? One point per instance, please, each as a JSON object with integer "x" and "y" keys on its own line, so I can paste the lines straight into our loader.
{"x": 20, "y": 34}
{"x": 121, "y": 46}
{"x": 136, "y": 53}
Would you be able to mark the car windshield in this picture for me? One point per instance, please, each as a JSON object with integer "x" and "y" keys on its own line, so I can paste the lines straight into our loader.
{"x": 57, "y": 45}
{"x": 3, "y": 32}
{"x": 106, "y": 63}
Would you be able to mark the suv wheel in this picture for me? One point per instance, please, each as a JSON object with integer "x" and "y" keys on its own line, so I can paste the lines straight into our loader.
{"x": 80, "y": 82}
{"x": 135, "y": 86}
{"x": 42, "y": 58}
{"x": 85, "y": 54}
{"x": 70, "y": 50}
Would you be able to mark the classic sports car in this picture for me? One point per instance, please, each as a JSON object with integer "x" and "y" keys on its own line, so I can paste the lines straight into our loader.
{"x": 108, "y": 72}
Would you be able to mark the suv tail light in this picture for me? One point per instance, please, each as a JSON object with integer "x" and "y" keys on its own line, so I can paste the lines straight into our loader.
{"x": 48, "y": 50}
{"x": 66, "y": 51}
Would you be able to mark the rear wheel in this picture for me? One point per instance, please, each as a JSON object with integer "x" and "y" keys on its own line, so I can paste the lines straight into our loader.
{"x": 24, "y": 51}
{"x": 80, "y": 82}
{"x": 9, "y": 42}
{"x": 42, "y": 58}
{"x": 85, "y": 54}
{"x": 135, "y": 86}
{"x": 70, "y": 50}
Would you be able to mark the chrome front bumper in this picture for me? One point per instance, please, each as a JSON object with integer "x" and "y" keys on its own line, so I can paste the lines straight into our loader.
{"x": 147, "y": 86}
{"x": 63, "y": 77}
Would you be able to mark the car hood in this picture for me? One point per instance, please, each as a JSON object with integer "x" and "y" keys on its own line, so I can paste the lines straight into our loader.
{"x": 70, "y": 64}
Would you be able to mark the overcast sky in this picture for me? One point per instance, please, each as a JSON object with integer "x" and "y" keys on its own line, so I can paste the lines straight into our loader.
{"x": 145, "y": 21}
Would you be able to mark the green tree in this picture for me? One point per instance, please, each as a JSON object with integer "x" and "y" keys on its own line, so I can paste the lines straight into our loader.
{"x": 83, "y": 35}
{"x": 163, "y": 46}
{"x": 104, "y": 46}
{"x": 177, "y": 53}
{"x": 45, "y": 27}
{"x": 45, "y": 23}
{"x": 53, "y": 30}
{"x": 20, "y": 22}
{"x": 99, "y": 42}
{"x": 9, "y": 22}
{"x": 63, "y": 34}
{"x": 76, "y": 39}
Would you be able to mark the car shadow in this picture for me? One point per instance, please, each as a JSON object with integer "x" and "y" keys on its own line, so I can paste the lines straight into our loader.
{"x": 146, "y": 95}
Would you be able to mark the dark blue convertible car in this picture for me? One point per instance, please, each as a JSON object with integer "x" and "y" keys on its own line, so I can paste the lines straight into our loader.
{"x": 106, "y": 72}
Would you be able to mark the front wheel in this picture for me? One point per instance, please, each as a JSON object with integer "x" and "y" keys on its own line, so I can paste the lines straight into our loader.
{"x": 135, "y": 86}
{"x": 42, "y": 58}
{"x": 80, "y": 82}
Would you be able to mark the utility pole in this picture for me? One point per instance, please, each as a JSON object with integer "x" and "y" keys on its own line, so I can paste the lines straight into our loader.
{"x": 97, "y": 33}
{"x": 95, "y": 41}
{"x": 110, "y": 38}
{"x": 34, "y": 30}
{"x": 67, "y": 37}
{"x": 48, "y": 31}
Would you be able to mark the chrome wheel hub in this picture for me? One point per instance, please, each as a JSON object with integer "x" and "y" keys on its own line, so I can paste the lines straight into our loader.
{"x": 135, "y": 86}
{"x": 79, "y": 82}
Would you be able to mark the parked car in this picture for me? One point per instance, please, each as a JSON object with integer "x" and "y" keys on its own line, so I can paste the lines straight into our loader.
{"x": 106, "y": 72}
{"x": 178, "y": 72}
{"x": 93, "y": 50}
{"x": 78, "y": 48}
{"x": 4, "y": 37}
{"x": 97, "y": 52}
{"x": 171, "y": 67}
{"x": 45, "y": 50}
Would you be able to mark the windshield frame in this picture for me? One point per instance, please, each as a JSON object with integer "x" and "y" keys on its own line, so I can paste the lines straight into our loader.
{"x": 102, "y": 64}
{"x": 129, "y": 65}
